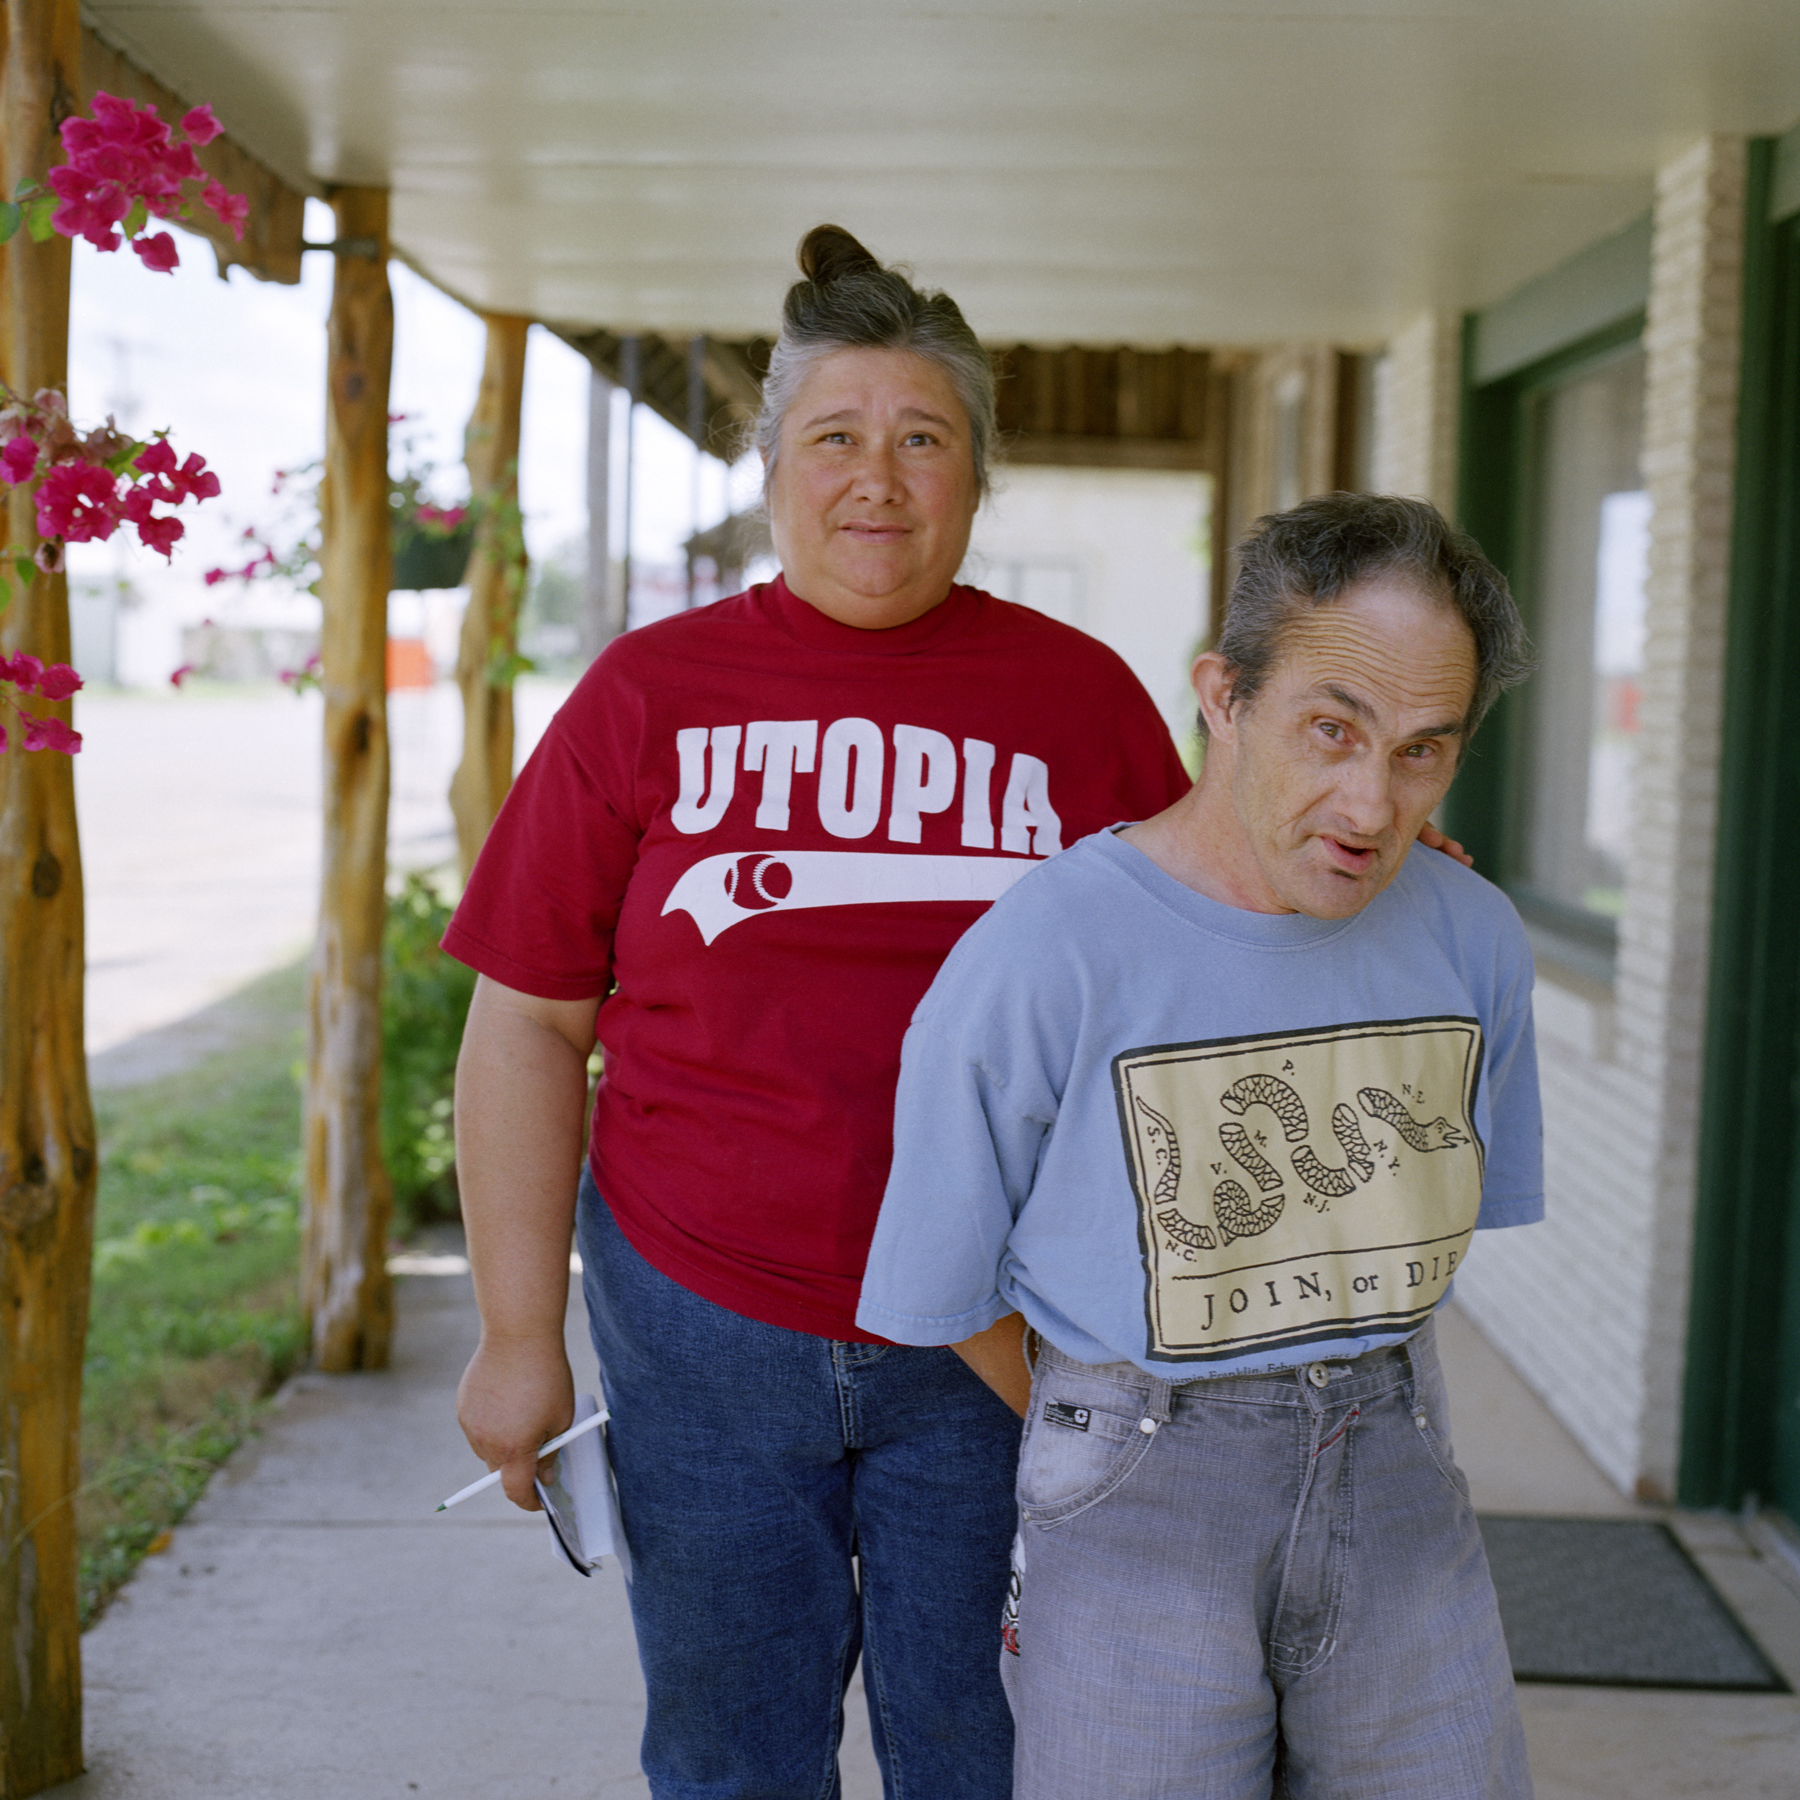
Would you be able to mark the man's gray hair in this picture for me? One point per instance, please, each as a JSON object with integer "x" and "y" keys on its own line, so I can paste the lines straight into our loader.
{"x": 849, "y": 301}
{"x": 1311, "y": 554}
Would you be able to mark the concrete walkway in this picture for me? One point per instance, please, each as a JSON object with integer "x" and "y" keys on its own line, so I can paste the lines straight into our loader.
{"x": 314, "y": 1629}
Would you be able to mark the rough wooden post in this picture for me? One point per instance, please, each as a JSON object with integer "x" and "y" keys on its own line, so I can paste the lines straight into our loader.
{"x": 47, "y": 1164}
{"x": 496, "y": 588}
{"x": 344, "y": 1280}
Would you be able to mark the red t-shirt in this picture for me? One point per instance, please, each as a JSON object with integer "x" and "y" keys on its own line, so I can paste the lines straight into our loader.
{"x": 763, "y": 831}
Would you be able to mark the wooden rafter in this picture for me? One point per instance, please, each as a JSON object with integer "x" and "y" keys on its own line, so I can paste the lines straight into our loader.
{"x": 1112, "y": 407}
{"x": 733, "y": 377}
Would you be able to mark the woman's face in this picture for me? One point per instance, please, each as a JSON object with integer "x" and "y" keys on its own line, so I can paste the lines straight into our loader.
{"x": 873, "y": 493}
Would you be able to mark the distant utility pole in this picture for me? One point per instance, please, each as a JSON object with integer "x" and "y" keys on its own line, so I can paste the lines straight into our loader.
{"x": 602, "y": 611}
{"x": 631, "y": 369}
{"x": 696, "y": 430}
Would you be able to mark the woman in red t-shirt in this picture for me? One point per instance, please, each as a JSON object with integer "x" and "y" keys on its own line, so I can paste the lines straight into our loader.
{"x": 737, "y": 860}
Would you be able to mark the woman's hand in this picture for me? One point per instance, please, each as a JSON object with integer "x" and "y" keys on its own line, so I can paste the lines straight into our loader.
{"x": 515, "y": 1394}
{"x": 997, "y": 1355}
{"x": 1433, "y": 839}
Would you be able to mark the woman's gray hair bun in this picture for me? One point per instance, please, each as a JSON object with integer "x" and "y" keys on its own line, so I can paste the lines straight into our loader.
{"x": 850, "y": 301}
{"x": 829, "y": 252}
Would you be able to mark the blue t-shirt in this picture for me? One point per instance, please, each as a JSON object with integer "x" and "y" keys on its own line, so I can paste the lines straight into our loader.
{"x": 1204, "y": 1140}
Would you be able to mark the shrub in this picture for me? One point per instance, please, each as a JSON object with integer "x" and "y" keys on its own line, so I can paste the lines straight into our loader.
{"x": 425, "y": 999}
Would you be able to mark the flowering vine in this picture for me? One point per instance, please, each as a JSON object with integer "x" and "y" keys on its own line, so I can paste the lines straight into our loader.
{"x": 125, "y": 167}
{"x": 89, "y": 483}
{"x": 21, "y": 676}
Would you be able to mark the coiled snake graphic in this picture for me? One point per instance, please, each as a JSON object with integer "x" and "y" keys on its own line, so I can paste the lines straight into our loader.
{"x": 1238, "y": 1214}
{"x": 1165, "y": 1147}
{"x": 1378, "y": 1103}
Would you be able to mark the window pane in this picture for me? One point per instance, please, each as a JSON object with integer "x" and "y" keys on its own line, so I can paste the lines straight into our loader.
{"x": 1590, "y": 531}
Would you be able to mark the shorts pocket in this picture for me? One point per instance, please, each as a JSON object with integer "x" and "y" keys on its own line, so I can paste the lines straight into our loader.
{"x": 1430, "y": 1408}
{"x": 1083, "y": 1438}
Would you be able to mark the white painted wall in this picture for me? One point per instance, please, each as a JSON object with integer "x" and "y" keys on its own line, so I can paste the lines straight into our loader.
{"x": 1118, "y": 553}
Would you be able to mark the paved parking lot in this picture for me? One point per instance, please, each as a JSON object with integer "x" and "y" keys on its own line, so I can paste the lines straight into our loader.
{"x": 200, "y": 833}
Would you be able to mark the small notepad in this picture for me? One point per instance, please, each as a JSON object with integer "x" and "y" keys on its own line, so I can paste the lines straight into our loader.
{"x": 581, "y": 1502}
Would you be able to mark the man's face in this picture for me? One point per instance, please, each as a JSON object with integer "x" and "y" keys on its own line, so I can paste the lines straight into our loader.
{"x": 1351, "y": 742}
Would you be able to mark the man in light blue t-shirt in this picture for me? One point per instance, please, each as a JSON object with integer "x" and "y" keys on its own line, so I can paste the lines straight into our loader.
{"x": 1211, "y": 1106}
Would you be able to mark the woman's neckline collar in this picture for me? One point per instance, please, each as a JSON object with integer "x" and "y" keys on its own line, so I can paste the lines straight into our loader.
{"x": 928, "y": 631}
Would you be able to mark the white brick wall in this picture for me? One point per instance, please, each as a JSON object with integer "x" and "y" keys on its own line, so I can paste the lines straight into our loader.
{"x": 1418, "y": 384}
{"x": 1591, "y": 1306}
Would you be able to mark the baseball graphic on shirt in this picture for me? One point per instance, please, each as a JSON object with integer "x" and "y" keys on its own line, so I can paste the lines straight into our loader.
{"x": 758, "y": 882}
{"x": 1297, "y": 1188}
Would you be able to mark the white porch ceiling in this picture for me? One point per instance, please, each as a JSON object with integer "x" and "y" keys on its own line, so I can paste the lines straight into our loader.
{"x": 1100, "y": 171}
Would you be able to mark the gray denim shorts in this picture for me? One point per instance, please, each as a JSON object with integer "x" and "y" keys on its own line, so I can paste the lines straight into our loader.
{"x": 1253, "y": 1585}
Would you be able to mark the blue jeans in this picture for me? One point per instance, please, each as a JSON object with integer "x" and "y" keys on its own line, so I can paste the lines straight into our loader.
{"x": 792, "y": 1502}
{"x": 1252, "y": 1585}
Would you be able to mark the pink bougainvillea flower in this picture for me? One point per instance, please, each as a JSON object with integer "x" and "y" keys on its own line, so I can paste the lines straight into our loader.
{"x": 158, "y": 252}
{"x": 24, "y": 671}
{"x": 233, "y": 209}
{"x": 49, "y": 734}
{"x": 19, "y": 460}
{"x": 49, "y": 556}
{"x": 58, "y": 682}
{"x": 139, "y": 504}
{"x": 116, "y": 124}
{"x": 172, "y": 481}
{"x": 178, "y": 676}
{"x": 160, "y": 534}
{"x": 78, "y": 502}
{"x": 89, "y": 211}
{"x": 194, "y": 480}
{"x": 200, "y": 125}
{"x": 156, "y": 458}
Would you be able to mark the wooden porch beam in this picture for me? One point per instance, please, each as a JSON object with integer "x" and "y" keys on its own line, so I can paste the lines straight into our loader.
{"x": 47, "y": 1149}
{"x": 344, "y": 1281}
{"x": 490, "y": 630}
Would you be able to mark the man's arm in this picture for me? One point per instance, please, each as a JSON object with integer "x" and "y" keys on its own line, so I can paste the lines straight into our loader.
{"x": 997, "y": 1355}
{"x": 521, "y": 1093}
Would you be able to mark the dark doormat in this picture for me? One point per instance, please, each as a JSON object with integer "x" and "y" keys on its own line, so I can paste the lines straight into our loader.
{"x": 1615, "y": 1603}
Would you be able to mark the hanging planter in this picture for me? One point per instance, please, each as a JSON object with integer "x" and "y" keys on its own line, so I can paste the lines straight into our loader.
{"x": 432, "y": 545}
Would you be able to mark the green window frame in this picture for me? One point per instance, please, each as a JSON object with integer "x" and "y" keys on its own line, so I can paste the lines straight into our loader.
{"x": 1485, "y": 807}
{"x": 1741, "y": 1404}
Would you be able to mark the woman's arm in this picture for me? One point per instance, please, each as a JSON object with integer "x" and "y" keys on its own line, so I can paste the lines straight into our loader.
{"x": 521, "y": 1093}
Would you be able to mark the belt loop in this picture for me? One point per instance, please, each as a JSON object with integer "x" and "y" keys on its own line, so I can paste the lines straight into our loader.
{"x": 1159, "y": 1403}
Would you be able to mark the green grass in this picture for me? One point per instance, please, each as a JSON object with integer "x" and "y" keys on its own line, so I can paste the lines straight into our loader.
{"x": 196, "y": 1315}
{"x": 195, "y": 1311}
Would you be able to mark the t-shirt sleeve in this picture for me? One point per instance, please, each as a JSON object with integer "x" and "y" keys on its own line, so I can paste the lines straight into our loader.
{"x": 1512, "y": 1186}
{"x": 963, "y": 1164}
{"x": 543, "y": 900}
